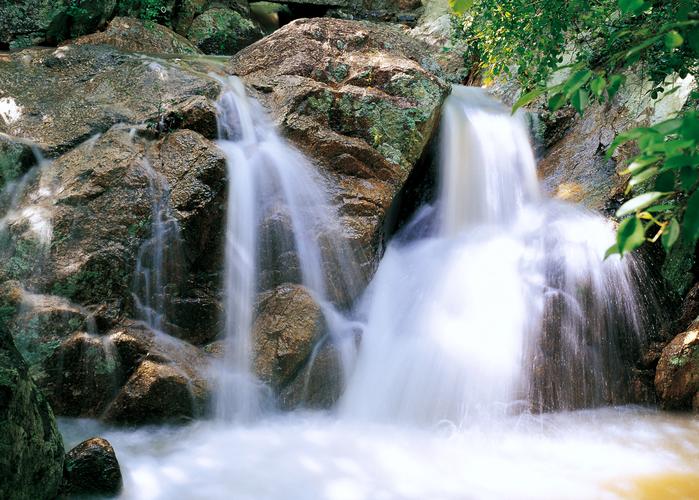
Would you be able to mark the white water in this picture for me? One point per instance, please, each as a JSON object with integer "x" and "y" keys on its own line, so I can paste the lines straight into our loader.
{"x": 457, "y": 321}
{"x": 278, "y": 214}
{"x": 603, "y": 454}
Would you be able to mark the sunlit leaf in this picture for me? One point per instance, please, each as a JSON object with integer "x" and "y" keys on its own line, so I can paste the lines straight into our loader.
{"x": 576, "y": 81}
{"x": 630, "y": 6}
{"x": 460, "y": 7}
{"x": 673, "y": 39}
{"x": 580, "y": 100}
{"x": 612, "y": 250}
{"x": 641, "y": 163}
{"x": 639, "y": 202}
{"x": 557, "y": 101}
{"x": 615, "y": 81}
{"x": 643, "y": 176}
{"x": 670, "y": 234}
{"x": 597, "y": 85}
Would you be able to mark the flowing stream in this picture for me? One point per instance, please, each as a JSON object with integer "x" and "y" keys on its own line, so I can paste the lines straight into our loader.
{"x": 494, "y": 353}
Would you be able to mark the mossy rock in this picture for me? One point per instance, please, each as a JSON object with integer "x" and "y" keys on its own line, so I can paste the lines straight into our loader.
{"x": 223, "y": 31}
{"x": 31, "y": 448}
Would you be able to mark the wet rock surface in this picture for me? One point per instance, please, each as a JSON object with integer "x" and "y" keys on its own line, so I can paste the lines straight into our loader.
{"x": 91, "y": 468}
{"x": 166, "y": 378}
{"x": 289, "y": 323}
{"x": 64, "y": 96}
{"x": 677, "y": 374}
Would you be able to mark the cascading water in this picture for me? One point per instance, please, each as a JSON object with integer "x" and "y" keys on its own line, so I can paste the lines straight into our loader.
{"x": 491, "y": 302}
{"x": 506, "y": 302}
{"x": 159, "y": 259}
{"x": 277, "y": 214}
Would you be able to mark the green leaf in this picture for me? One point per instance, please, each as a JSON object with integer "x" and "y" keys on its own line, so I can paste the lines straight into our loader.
{"x": 580, "y": 100}
{"x": 597, "y": 85}
{"x": 624, "y": 137}
{"x": 660, "y": 208}
{"x": 670, "y": 234}
{"x": 641, "y": 47}
{"x": 630, "y": 235}
{"x": 630, "y": 6}
{"x": 615, "y": 81}
{"x": 576, "y": 81}
{"x": 688, "y": 177}
{"x": 668, "y": 126}
{"x": 690, "y": 221}
{"x": 460, "y": 7}
{"x": 557, "y": 101}
{"x": 527, "y": 98}
{"x": 673, "y": 39}
{"x": 639, "y": 202}
{"x": 612, "y": 250}
{"x": 665, "y": 181}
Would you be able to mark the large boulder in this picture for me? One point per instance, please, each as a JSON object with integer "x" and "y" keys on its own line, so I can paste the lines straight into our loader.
{"x": 31, "y": 448}
{"x": 91, "y": 468}
{"x": 62, "y": 97}
{"x": 677, "y": 374}
{"x": 288, "y": 325}
{"x": 129, "y": 34}
{"x": 362, "y": 100}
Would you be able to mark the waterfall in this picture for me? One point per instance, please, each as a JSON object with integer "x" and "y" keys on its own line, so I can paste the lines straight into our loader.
{"x": 498, "y": 299}
{"x": 280, "y": 228}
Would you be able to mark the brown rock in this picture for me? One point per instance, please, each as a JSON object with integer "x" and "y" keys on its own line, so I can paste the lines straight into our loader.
{"x": 677, "y": 375}
{"x": 167, "y": 378}
{"x": 319, "y": 384}
{"x": 289, "y": 324}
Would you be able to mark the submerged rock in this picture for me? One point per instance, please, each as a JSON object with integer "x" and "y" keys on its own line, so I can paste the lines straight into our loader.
{"x": 129, "y": 34}
{"x": 677, "y": 374}
{"x": 91, "y": 468}
{"x": 360, "y": 99}
{"x": 31, "y": 448}
{"x": 288, "y": 325}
